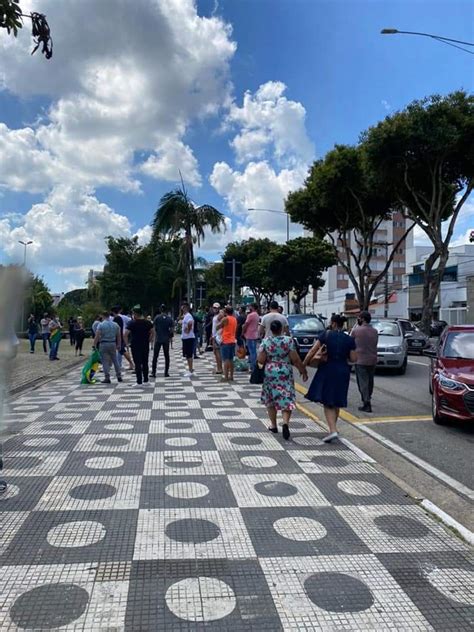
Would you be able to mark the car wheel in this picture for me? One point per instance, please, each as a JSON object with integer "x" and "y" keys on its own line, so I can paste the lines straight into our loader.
{"x": 434, "y": 409}
{"x": 403, "y": 369}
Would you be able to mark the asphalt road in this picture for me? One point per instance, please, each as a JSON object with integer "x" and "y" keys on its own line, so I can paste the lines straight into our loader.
{"x": 402, "y": 414}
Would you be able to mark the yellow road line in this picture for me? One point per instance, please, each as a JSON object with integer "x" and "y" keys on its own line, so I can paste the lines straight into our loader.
{"x": 343, "y": 414}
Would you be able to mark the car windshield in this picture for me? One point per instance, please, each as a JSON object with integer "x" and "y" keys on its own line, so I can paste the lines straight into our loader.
{"x": 306, "y": 323}
{"x": 386, "y": 328}
{"x": 459, "y": 344}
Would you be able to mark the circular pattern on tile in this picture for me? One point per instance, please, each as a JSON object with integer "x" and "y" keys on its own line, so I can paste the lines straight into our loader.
{"x": 305, "y": 440}
{"x": 178, "y": 425}
{"x": 298, "y": 424}
{"x": 258, "y": 461}
{"x": 178, "y": 413}
{"x": 181, "y": 442}
{"x": 275, "y": 488}
{"x": 192, "y": 530}
{"x": 329, "y": 461}
{"x": 338, "y": 592}
{"x": 178, "y": 461}
{"x": 92, "y": 491}
{"x": 399, "y": 526}
{"x": 119, "y": 427}
{"x": 11, "y": 492}
{"x": 127, "y": 406}
{"x": 223, "y": 404}
{"x": 187, "y": 490}
{"x": 22, "y": 462}
{"x": 201, "y": 599}
{"x": 236, "y": 425}
{"x": 104, "y": 462}
{"x": 176, "y": 396}
{"x": 112, "y": 442}
{"x": 178, "y": 405}
{"x": 245, "y": 440}
{"x": 24, "y": 408}
{"x": 300, "y": 529}
{"x": 70, "y": 535}
{"x": 53, "y": 605}
{"x": 57, "y": 427}
{"x": 454, "y": 583}
{"x": 41, "y": 442}
{"x": 359, "y": 488}
{"x": 226, "y": 413}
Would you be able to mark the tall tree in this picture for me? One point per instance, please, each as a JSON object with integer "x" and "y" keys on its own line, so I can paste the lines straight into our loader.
{"x": 341, "y": 202}
{"x": 299, "y": 264}
{"x": 39, "y": 298}
{"x": 424, "y": 156}
{"x": 218, "y": 288}
{"x": 178, "y": 217}
{"x": 256, "y": 256}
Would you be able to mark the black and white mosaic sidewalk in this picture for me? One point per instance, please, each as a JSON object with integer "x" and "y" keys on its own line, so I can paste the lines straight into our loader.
{"x": 173, "y": 508}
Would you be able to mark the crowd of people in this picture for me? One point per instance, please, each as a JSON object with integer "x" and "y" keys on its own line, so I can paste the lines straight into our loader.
{"x": 261, "y": 340}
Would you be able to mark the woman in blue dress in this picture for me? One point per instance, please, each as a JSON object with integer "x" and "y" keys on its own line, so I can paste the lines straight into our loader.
{"x": 331, "y": 382}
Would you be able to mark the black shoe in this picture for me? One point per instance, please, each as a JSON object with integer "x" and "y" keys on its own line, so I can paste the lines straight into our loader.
{"x": 167, "y": 374}
{"x": 119, "y": 379}
{"x": 273, "y": 429}
{"x": 152, "y": 374}
{"x": 106, "y": 381}
{"x": 285, "y": 432}
{"x": 366, "y": 408}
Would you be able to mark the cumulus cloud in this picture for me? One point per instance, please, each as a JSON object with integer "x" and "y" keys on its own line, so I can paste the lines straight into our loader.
{"x": 125, "y": 77}
{"x": 272, "y": 142}
{"x": 68, "y": 231}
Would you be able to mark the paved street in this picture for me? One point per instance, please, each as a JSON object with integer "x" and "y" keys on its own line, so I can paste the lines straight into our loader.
{"x": 173, "y": 508}
{"x": 402, "y": 414}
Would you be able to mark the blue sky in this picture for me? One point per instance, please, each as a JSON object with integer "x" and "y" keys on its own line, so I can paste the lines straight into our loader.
{"x": 90, "y": 140}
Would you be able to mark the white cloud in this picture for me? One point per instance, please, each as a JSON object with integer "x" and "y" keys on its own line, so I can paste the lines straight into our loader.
{"x": 125, "y": 77}
{"x": 269, "y": 122}
{"x": 144, "y": 235}
{"x": 68, "y": 231}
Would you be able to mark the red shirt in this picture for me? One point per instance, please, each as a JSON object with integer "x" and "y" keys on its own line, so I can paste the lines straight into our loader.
{"x": 251, "y": 326}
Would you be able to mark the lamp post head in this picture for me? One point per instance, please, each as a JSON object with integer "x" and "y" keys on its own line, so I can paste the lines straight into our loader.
{"x": 388, "y": 31}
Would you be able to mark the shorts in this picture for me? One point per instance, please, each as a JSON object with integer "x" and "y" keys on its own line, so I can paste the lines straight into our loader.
{"x": 228, "y": 351}
{"x": 188, "y": 347}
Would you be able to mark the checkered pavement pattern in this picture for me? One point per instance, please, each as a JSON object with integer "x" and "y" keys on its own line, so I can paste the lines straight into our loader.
{"x": 173, "y": 508}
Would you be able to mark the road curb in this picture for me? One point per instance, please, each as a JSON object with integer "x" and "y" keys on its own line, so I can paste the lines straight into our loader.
{"x": 448, "y": 520}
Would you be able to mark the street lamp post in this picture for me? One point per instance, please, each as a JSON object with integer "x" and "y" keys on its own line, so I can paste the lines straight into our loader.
{"x": 444, "y": 40}
{"x": 271, "y": 210}
{"x": 25, "y": 244}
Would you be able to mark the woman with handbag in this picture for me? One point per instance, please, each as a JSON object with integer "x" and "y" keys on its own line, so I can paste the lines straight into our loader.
{"x": 278, "y": 354}
{"x": 331, "y": 353}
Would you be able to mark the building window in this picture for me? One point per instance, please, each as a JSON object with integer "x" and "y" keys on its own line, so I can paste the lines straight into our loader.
{"x": 342, "y": 277}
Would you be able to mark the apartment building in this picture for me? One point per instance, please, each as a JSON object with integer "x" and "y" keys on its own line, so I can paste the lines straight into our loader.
{"x": 338, "y": 294}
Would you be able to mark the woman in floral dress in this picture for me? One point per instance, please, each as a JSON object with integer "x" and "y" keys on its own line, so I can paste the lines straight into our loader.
{"x": 278, "y": 354}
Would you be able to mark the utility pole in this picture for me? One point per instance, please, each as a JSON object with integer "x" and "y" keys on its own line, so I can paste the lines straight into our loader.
{"x": 287, "y": 240}
{"x": 25, "y": 244}
{"x": 233, "y": 282}
{"x": 385, "y": 310}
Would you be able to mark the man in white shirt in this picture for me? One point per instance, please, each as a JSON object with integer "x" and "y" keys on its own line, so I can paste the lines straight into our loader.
{"x": 187, "y": 337}
{"x": 267, "y": 320}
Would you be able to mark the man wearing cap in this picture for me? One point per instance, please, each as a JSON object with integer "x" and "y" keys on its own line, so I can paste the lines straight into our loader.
{"x": 216, "y": 308}
{"x": 366, "y": 338}
{"x": 163, "y": 325}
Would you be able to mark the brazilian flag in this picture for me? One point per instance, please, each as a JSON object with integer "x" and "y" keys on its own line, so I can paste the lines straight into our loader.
{"x": 90, "y": 368}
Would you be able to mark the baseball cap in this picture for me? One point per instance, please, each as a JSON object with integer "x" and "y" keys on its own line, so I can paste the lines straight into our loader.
{"x": 217, "y": 305}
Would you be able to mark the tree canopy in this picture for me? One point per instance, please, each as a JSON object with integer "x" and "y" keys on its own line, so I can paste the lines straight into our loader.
{"x": 11, "y": 19}
{"x": 342, "y": 203}
{"x": 423, "y": 157}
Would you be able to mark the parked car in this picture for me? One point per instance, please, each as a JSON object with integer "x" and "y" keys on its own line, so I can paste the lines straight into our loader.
{"x": 437, "y": 327}
{"x": 452, "y": 375}
{"x": 392, "y": 347}
{"x": 305, "y": 328}
{"x": 417, "y": 341}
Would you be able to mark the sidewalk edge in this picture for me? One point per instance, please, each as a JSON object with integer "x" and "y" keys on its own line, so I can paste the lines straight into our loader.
{"x": 448, "y": 520}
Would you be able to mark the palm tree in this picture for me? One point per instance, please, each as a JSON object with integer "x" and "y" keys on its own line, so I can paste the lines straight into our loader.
{"x": 178, "y": 216}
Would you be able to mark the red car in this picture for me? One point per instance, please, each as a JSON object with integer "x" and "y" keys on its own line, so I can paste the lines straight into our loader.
{"x": 452, "y": 375}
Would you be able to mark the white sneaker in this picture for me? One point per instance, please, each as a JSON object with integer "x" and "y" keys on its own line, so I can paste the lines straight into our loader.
{"x": 331, "y": 437}
{"x": 135, "y": 385}
{"x": 188, "y": 374}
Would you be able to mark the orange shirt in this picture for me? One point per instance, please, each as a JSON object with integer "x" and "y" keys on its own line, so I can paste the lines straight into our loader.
{"x": 229, "y": 330}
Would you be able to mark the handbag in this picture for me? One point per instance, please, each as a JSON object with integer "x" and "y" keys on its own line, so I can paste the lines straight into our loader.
{"x": 257, "y": 375}
{"x": 320, "y": 357}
